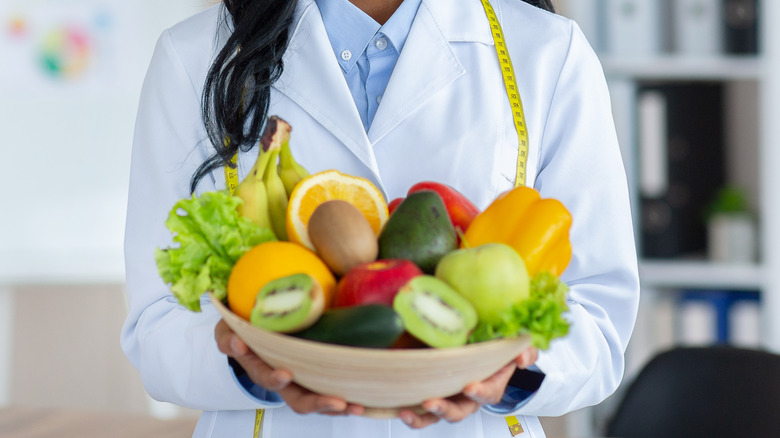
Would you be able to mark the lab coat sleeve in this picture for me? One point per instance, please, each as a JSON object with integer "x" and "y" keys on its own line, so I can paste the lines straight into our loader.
{"x": 580, "y": 165}
{"x": 174, "y": 349}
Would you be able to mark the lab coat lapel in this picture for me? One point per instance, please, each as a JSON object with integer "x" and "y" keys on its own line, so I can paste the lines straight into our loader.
{"x": 426, "y": 65}
{"x": 313, "y": 79}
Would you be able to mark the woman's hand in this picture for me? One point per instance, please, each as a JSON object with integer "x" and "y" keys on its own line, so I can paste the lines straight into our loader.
{"x": 458, "y": 407}
{"x": 299, "y": 399}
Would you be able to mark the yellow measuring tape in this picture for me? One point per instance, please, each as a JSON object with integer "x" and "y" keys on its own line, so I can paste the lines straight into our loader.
{"x": 231, "y": 172}
{"x": 258, "y": 423}
{"x": 508, "y": 72}
{"x": 518, "y": 116}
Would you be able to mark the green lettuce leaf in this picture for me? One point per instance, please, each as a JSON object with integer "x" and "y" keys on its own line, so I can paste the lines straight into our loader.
{"x": 540, "y": 316}
{"x": 209, "y": 237}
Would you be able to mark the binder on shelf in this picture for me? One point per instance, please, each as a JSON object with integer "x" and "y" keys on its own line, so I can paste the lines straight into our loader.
{"x": 635, "y": 27}
{"x": 745, "y": 328}
{"x": 698, "y": 28}
{"x": 652, "y": 138}
{"x": 740, "y": 22}
{"x": 697, "y": 323}
{"x": 681, "y": 151}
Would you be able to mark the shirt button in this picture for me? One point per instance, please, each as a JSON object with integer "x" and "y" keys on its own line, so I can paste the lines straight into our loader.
{"x": 346, "y": 55}
{"x": 381, "y": 43}
{"x": 378, "y": 100}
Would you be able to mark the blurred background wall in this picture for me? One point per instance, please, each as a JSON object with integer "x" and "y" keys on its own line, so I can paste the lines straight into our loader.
{"x": 693, "y": 83}
{"x": 70, "y": 77}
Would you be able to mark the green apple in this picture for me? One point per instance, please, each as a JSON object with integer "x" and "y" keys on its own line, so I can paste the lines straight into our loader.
{"x": 493, "y": 277}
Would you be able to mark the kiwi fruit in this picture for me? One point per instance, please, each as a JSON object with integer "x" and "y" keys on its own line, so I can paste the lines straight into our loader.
{"x": 435, "y": 313}
{"x": 342, "y": 236}
{"x": 288, "y": 304}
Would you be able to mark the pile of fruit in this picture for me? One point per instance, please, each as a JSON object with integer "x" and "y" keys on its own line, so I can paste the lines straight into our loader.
{"x": 323, "y": 257}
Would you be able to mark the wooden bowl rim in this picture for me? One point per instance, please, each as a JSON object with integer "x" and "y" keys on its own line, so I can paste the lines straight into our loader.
{"x": 395, "y": 353}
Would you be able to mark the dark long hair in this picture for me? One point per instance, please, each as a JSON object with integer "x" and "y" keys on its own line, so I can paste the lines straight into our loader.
{"x": 238, "y": 85}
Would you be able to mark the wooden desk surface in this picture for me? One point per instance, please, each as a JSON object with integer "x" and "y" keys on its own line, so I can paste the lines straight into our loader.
{"x": 62, "y": 423}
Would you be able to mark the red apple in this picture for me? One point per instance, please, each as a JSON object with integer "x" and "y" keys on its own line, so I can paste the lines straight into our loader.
{"x": 374, "y": 282}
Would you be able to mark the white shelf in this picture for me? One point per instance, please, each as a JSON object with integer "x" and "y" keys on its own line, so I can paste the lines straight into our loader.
{"x": 671, "y": 67}
{"x": 695, "y": 274}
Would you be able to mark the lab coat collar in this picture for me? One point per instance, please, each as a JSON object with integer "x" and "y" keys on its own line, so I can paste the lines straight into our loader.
{"x": 313, "y": 80}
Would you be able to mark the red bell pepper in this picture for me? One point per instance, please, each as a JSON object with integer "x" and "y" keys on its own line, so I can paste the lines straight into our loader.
{"x": 393, "y": 204}
{"x": 460, "y": 209}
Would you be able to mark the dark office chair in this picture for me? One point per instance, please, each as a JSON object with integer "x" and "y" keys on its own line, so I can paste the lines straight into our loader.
{"x": 708, "y": 392}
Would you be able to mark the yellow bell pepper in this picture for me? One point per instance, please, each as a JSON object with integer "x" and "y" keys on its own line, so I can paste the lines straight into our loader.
{"x": 538, "y": 229}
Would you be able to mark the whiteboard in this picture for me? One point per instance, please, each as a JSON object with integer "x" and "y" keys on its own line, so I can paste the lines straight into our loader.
{"x": 70, "y": 77}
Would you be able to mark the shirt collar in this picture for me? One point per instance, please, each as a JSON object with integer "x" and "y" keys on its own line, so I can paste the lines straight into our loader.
{"x": 350, "y": 29}
{"x": 396, "y": 29}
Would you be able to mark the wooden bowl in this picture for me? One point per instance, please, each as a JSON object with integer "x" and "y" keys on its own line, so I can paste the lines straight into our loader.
{"x": 381, "y": 380}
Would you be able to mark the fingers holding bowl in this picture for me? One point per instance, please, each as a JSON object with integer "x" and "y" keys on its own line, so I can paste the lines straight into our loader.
{"x": 528, "y": 357}
{"x": 458, "y": 407}
{"x": 258, "y": 371}
{"x": 298, "y": 398}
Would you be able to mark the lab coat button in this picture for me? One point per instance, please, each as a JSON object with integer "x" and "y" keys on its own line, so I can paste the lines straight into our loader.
{"x": 381, "y": 43}
{"x": 346, "y": 55}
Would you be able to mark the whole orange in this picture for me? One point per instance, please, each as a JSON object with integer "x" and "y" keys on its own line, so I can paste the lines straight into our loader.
{"x": 269, "y": 261}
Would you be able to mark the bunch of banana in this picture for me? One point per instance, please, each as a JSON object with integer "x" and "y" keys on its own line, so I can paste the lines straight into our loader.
{"x": 289, "y": 170}
{"x": 268, "y": 185}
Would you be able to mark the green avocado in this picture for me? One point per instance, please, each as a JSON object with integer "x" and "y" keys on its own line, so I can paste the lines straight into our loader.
{"x": 419, "y": 230}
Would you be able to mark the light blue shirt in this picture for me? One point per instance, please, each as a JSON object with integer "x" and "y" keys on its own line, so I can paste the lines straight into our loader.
{"x": 366, "y": 51}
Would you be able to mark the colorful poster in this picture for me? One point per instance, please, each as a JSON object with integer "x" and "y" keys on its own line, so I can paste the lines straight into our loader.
{"x": 65, "y": 46}
{"x": 52, "y": 47}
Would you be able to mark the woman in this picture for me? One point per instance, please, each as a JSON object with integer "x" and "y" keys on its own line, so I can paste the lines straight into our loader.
{"x": 396, "y": 92}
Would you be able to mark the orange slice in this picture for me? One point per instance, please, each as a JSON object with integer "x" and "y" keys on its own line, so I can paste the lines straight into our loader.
{"x": 329, "y": 185}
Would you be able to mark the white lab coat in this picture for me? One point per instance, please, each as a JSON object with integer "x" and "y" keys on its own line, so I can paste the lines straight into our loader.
{"x": 444, "y": 117}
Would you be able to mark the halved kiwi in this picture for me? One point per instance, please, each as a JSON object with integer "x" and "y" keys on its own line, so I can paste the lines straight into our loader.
{"x": 288, "y": 304}
{"x": 434, "y": 312}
